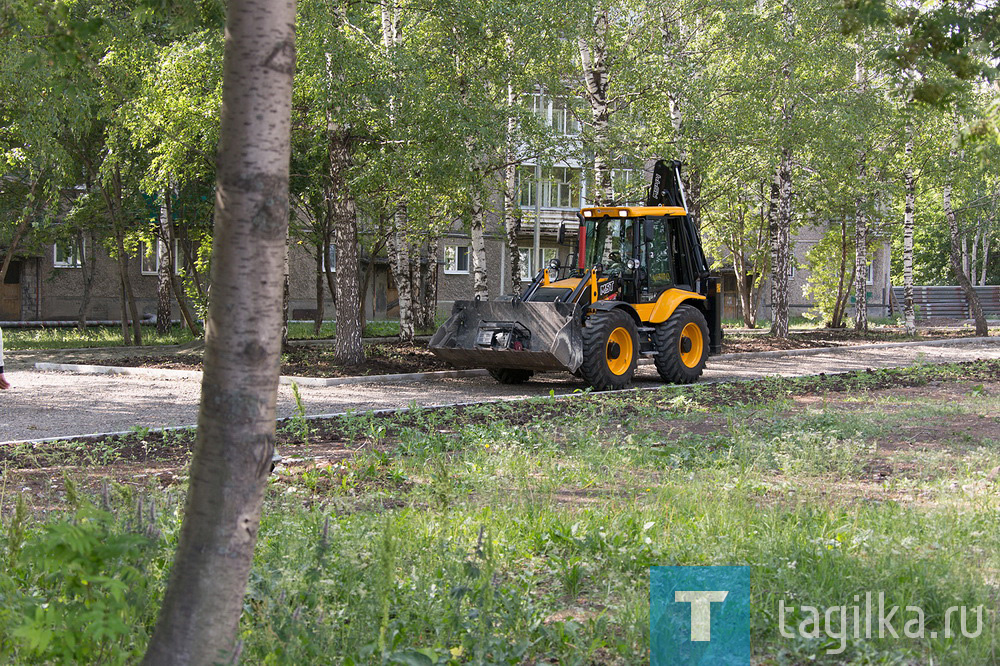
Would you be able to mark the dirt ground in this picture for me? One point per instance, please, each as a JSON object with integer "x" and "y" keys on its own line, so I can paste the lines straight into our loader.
{"x": 395, "y": 357}
{"x": 144, "y": 459}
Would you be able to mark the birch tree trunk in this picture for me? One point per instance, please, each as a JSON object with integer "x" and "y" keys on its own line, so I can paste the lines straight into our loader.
{"x": 594, "y": 64}
{"x": 674, "y": 37}
{"x": 780, "y": 223}
{"x": 428, "y": 286}
{"x": 400, "y": 247}
{"x": 399, "y": 251}
{"x": 860, "y": 254}
{"x": 127, "y": 296}
{"x": 348, "y": 350}
{"x": 963, "y": 244}
{"x": 199, "y": 617}
{"x": 910, "y": 186}
{"x": 837, "y": 320}
{"x": 986, "y": 258}
{"x": 956, "y": 261}
{"x": 163, "y": 270}
{"x": 19, "y": 231}
{"x": 175, "y": 284}
{"x": 88, "y": 270}
{"x": 320, "y": 286}
{"x": 974, "y": 252}
{"x": 481, "y": 287}
{"x": 512, "y": 212}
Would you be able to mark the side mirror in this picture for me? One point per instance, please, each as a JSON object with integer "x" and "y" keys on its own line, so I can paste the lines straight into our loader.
{"x": 562, "y": 233}
{"x": 571, "y": 260}
{"x": 647, "y": 229}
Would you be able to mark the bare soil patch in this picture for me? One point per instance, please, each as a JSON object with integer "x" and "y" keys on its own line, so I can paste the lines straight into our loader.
{"x": 388, "y": 358}
{"x": 380, "y": 359}
{"x": 143, "y": 458}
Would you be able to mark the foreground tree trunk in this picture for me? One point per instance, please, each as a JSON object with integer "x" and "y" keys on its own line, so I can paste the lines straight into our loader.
{"x": 200, "y": 614}
{"x": 348, "y": 350}
{"x": 910, "y": 184}
{"x": 781, "y": 222}
{"x": 956, "y": 262}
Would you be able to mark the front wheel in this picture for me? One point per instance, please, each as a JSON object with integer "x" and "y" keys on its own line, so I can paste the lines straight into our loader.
{"x": 681, "y": 346}
{"x": 610, "y": 350}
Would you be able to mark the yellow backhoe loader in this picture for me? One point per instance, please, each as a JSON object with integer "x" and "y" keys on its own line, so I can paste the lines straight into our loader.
{"x": 637, "y": 285}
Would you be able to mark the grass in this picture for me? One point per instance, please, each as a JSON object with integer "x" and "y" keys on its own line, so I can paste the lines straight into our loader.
{"x": 92, "y": 336}
{"x": 110, "y": 336}
{"x": 515, "y": 533}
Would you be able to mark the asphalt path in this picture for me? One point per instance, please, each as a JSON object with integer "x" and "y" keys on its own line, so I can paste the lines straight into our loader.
{"x": 48, "y": 404}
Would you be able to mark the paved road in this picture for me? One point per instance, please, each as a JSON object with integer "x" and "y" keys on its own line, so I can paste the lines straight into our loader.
{"x": 55, "y": 404}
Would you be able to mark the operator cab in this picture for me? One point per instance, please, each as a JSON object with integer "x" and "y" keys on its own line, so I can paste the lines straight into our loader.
{"x": 644, "y": 250}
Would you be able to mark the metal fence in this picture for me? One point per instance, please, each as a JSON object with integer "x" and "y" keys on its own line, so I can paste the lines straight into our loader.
{"x": 948, "y": 301}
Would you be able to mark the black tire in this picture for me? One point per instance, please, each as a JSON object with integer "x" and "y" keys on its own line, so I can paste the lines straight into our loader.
{"x": 610, "y": 350}
{"x": 511, "y": 375}
{"x": 682, "y": 343}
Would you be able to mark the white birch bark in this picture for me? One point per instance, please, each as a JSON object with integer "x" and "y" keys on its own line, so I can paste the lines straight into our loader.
{"x": 399, "y": 253}
{"x": 163, "y": 286}
{"x": 956, "y": 259}
{"x": 594, "y": 64}
{"x": 860, "y": 253}
{"x": 348, "y": 349}
{"x": 986, "y": 258}
{"x": 910, "y": 185}
{"x": 512, "y": 212}
{"x": 400, "y": 246}
{"x": 780, "y": 224}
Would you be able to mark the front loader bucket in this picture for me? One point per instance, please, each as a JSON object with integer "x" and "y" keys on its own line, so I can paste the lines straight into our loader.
{"x": 511, "y": 334}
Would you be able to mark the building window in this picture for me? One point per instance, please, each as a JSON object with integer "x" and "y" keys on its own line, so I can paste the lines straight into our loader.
{"x": 528, "y": 268}
{"x": 330, "y": 260}
{"x": 526, "y": 272}
{"x": 791, "y": 270}
{"x": 870, "y": 276}
{"x": 559, "y": 187}
{"x": 555, "y": 112}
{"x": 456, "y": 259}
{"x": 67, "y": 255}
{"x": 149, "y": 258}
{"x": 548, "y": 254}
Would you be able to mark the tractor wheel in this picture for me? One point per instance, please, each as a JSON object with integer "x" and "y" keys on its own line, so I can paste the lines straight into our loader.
{"x": 511, "y": 375}
{"x": 681, "y": 346}
{"x": 610, "y": 350}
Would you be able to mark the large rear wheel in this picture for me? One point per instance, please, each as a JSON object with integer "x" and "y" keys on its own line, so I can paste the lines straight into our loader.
{"x": 511, "y": 375}
{"x": 610, "y": 350}
{"x": 681, "y": 346}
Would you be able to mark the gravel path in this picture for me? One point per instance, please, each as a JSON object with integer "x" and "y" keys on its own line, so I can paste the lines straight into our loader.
{"x": 54, "y": 404}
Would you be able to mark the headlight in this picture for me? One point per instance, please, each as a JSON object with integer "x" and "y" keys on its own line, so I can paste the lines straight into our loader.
{"x": 554, "y": 263}
{"x": 632, "y": 264}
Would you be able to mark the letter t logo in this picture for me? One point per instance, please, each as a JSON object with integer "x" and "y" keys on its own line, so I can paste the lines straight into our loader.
{"x": 701, "y": 610}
